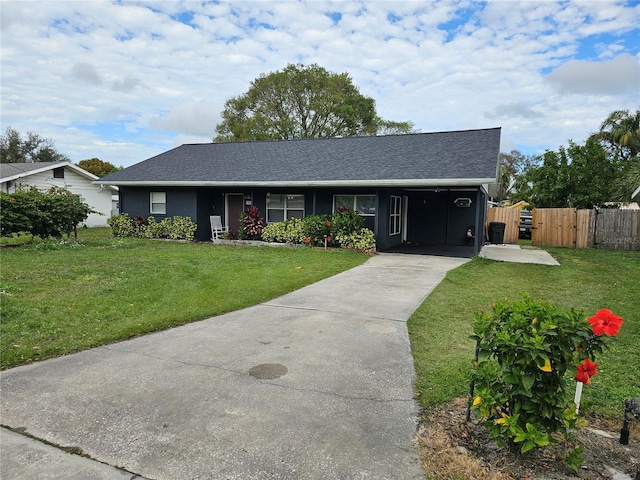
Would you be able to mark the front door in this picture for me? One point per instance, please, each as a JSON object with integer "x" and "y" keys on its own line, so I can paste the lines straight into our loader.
{"x": 235, "y": 207}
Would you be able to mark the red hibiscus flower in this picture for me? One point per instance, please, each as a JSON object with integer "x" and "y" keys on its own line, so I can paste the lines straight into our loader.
{"x": 604, "y": 321}
{"x": 328, "y": 239}
{"x": 328, "y": 224}
{"x": 308, "y": 240}
{"x": 586, "y": 371}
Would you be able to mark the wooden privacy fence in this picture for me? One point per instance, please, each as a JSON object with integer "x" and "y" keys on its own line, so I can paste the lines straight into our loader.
{"x": 568, "y": 227}
{"x": 510, "y": 217}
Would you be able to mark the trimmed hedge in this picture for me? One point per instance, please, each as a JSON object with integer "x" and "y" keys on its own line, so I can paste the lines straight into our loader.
{"x": 176, "y": 228}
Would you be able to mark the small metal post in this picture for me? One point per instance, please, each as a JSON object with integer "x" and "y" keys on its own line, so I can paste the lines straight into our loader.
{"x": 473, "y": 385}
{"x": 631, "y": 411}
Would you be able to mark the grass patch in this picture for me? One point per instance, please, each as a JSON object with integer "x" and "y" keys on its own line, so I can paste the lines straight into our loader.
{"x": 62, "y": 297}
{"x": 587, "y": 278}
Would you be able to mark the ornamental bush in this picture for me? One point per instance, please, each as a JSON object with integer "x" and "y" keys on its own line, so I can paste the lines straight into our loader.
{"x": 45, "y": 214}
{"x": 362, "y": 239}
{"x": 289, "y": 231}
{"x": 121, "y": 225}
{"x": 274, "y": 232}
{"x": 251, "y": 224}
{"x": 344, "y": 222}
{"x": 526, "y": 352}
{"x": 153, "y": 229}
{"x": 181, "y": 228}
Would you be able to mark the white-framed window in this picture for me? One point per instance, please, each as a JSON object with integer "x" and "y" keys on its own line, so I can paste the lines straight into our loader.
{"x": 158, "y": 202}
{"x": 395, "y": 217}
{"x": 365, "y": 205}
{"x": 281, "y": 207}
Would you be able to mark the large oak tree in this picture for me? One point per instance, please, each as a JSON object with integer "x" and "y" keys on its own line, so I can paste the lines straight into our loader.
{"x": 98, "y": 167}
{"x": 302, "y": 102}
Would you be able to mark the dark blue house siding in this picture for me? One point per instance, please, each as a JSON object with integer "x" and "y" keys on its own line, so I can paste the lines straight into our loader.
{"x": 136, "y": 201}
{"x": 432, "y": 217}
{"x": 181, "y": 202}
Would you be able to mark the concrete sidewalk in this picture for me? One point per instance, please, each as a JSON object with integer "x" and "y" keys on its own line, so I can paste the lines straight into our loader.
{"x": 314, "y": 384}
{"x": 515, "y": 254}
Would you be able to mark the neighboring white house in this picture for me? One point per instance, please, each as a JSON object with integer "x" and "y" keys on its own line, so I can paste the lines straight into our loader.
{"x": 44, "y": 175}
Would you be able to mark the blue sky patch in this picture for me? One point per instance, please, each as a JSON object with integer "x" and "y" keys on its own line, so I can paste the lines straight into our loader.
{"x": 334, "y": 16}
{"x": 462, "y": 18}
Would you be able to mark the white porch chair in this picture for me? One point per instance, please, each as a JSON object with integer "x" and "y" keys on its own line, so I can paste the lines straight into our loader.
{"x": 216, "y": 227}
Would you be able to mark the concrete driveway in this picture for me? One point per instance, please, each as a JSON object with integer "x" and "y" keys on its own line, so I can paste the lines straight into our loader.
{"x": 314, "y": 384}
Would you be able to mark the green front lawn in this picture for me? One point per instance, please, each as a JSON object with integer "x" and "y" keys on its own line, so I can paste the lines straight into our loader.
{"x": 587, "y": 278}
{"x": 60, "y": 298}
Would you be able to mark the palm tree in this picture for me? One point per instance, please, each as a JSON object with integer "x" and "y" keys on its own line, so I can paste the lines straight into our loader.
{"x": 628, "y": 183}
{"x": 621, "y": 131}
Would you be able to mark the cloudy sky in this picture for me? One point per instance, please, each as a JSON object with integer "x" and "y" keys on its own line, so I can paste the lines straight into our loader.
{"x": 125, "y": 80}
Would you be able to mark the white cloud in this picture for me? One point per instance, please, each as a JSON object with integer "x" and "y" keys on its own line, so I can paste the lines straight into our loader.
{"x": 195, "y": 118}
{"x": 618, "y": 75}
{"x": 85, "y": 73}
{"x": 514, "y": 110}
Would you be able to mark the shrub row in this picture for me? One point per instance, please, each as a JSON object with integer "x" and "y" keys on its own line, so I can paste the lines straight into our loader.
{"x": 342, "y": 229}
{"x": 175, "y": 228}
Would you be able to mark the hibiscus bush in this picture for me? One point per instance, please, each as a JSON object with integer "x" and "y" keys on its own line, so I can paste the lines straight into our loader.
{"x": 344, "y": 222}
{"x": 316, "y": 229}
{"x": 528, "y": 354}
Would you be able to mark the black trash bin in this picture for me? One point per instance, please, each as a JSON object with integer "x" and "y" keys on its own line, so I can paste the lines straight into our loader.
{"x": 496, "y": 232}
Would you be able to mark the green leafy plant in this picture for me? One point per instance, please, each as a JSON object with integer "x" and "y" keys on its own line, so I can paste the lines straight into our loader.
{"x": 153, "y": 229}
{"x": 289, "y": 231}
{"x": 525, "y": 351}
{"x": 316, "y": 229}
{"x": 121, "y": 225}
{"x": 176, "y": 228}
{"x": 362, "y": 240}
{"x": 274, "y": 232}
{"x": 573, "y": 457}
{"x": 181, "y": 228}
{"x": 345, "y": 221}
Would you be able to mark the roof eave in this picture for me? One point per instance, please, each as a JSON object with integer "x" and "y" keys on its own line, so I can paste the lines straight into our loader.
{"x": 51, "y": 166}
{"x": 313, "y": 183}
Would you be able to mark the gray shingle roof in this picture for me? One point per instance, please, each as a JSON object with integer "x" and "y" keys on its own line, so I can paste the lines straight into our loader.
{"x": 458, "y": 157}
{"x": 16, "y": 170}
